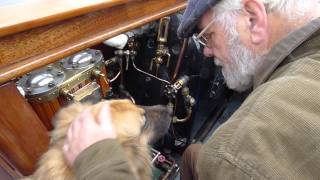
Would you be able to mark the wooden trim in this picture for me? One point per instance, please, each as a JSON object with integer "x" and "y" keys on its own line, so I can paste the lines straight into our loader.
{"x": 23, "y": 137}
{"x": 107, "y": 23}
{"x": 38, "y": 13}
{"x": 9, "y": 168}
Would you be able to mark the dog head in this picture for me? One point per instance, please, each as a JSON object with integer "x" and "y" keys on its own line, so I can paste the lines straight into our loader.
{"x": 158, "y": 120}
{"x": 131, "y": 120}
{"x": 136, "y": 127}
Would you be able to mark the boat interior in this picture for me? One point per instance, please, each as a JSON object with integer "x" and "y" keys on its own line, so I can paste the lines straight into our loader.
{"x": 53, "y": 53}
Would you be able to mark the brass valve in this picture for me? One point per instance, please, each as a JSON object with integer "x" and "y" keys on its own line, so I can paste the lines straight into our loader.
{"x": 162, "y": 54}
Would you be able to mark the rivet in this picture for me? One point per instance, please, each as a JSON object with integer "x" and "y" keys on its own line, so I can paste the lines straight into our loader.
{"x": 51, "y": 84}
{"x": 28, "y": 90}
{"x": 60, "y": 73}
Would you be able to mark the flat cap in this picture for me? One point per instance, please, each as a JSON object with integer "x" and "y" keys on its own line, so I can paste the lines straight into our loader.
{"x": 192, "y": 15}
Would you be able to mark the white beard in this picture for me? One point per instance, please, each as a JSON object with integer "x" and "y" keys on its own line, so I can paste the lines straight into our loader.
{"x": 243, "y": 63}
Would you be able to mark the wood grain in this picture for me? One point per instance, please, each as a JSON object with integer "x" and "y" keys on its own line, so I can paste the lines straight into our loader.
{"x": 23, "y": 138}
{"x": 42, "y": 12}
{"x": 23, "y": 52}
{"x": 7, "y": 171}
{"x": 46, "y": 111}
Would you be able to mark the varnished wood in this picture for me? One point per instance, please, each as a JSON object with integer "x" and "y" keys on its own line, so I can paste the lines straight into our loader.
{"x": 26, "y": 51}
{"x": 46, "y": 111}
{"x": 23, "y": 137}
{"x": 30, "y": 14}
{"x": 8, "y": 171}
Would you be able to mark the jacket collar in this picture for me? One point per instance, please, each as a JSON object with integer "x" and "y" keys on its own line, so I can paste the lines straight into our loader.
{"x": 283, "y": 49}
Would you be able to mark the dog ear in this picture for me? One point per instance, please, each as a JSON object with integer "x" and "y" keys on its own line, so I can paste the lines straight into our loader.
{"x": 157, "y": 121}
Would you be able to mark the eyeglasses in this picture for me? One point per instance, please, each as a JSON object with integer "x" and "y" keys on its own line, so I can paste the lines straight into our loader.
{"x": 201, "y": 37}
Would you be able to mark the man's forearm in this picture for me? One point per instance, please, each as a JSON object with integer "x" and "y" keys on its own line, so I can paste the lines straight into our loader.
{"x": 103, "y": 160}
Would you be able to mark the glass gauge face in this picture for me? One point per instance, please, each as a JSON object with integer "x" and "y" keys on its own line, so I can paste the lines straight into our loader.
{"x": 41, "y": 81}
{"x": 82, "y": 60}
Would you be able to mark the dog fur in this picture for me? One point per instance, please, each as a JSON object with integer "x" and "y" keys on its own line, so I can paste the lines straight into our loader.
{"x": 135, "y": 127}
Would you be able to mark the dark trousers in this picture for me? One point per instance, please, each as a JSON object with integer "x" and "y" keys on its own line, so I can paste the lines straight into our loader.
{"x": 189, "y": 162}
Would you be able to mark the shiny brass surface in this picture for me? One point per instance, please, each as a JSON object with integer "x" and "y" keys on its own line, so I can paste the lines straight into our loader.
{"x": 85, "y": 91}
{"x": 75, "y": 71}
{"x": 163, "y": 30}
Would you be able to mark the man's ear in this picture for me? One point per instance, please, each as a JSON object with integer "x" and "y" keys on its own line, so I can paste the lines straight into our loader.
{"x": 256, "y": 20}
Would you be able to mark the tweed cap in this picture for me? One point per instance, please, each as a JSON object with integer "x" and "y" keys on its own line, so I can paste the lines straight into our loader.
{"x": 192, "y": 15}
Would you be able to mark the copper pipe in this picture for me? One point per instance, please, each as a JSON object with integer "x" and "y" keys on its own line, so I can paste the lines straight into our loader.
{"x": 181, "y": 55}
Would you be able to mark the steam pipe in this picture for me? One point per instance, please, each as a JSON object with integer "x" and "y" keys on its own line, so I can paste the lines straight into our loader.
{"x": 181, "y": 55}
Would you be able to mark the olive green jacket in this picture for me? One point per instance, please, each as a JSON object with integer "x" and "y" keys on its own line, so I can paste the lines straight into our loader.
{"x": 104, "y": 160}
{"x": 275, "y": 134}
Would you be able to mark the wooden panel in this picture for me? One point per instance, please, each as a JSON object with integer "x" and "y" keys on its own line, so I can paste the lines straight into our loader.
{"x": 46, "y": 111}
{"x": 23, "y": 138}
{"x": 26, "y": 51}
{"x": 41, "y": 12}
{"x": 7, "y": 171}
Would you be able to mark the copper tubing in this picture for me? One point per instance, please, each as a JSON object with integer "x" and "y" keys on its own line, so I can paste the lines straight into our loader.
{"x": 177, "y": 120}
{"x": 181, "y": 55}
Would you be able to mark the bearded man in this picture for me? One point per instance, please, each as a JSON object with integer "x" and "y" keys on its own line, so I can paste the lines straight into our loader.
{"x": 272, "y": 46}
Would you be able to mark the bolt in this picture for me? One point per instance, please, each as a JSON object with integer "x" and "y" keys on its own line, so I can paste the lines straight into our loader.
{"x": 185, "y": 91}
{"x": 212, "y": 94}
{"x": 60, "y": 73}
{"x": 28, "y": 90}
{"x": 51, "y": 84}
{"x": 192, "y": 101}
{"x": 148, "y": 79}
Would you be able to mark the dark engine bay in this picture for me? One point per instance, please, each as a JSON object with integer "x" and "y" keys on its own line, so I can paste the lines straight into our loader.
{"x": 149, "y": 66}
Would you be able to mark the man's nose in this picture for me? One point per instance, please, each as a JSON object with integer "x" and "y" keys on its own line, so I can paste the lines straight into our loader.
{"x": 208, "y": 52}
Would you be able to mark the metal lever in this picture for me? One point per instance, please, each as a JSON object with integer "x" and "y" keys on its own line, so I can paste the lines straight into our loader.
{"x": 127, "y": 54}
{"x": 162, "y": 51}
{"x": 127, "y": 61}
{"x": 102, "y": 80}
{"x": 163, "y": 30}
{"x": 67, "y": 94}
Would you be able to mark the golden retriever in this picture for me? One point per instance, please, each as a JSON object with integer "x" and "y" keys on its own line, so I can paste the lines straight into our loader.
{"x": 135, "y": 126}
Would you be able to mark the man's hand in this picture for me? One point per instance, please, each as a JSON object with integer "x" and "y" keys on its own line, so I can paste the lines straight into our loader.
{"x": 85, "y": 131}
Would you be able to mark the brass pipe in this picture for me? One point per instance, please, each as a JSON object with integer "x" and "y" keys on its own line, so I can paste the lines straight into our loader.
{"x": 181, "y": 55}
{"x": 178, "y": 120}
